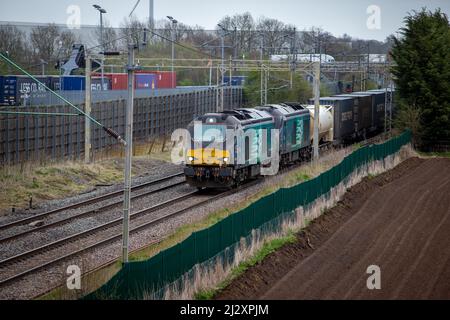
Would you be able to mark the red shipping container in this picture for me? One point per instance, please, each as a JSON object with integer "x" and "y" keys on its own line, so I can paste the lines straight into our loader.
{"x": 165, "y": 79}
{"x": 119, "y": 81}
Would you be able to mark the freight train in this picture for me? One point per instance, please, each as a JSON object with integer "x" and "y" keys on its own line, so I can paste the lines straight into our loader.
{"x": 15, "y": 89}
{"x": 230, "y": 147}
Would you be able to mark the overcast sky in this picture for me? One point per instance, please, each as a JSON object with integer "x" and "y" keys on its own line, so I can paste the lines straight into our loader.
{"x": 335, "y": 16}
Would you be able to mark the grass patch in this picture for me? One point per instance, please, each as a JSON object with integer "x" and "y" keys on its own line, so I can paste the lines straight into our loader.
{"x": 436, "y": 154}
{"x": 56, "y": 181}
{"x": 267, "y": 249}
{"x": 53, "y": 181}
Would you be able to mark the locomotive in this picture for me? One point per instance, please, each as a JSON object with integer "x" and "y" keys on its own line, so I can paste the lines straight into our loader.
{"x": 231, "y": 147}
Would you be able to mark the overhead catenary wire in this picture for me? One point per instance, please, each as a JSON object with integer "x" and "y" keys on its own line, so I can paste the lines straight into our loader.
{"x": 108, "y": 130}
{"x": 157, "y": 35}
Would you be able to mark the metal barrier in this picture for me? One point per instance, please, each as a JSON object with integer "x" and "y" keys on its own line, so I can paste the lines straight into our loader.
{"x": 47, "y": 136}
{"x": 77, "y": 97}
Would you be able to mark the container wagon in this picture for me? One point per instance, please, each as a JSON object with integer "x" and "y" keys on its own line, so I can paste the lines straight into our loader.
{"x": 344, "y": 128}
{"x": 362, "y": 111}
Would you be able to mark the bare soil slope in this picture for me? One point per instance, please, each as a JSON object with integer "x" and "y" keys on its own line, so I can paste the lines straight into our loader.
{"x": 399, "y": 221}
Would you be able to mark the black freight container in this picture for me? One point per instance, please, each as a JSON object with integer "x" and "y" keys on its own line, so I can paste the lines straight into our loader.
{"x": 344, "y": 125}
{"x": 390, "y": 92}
{"x": 362, "y": 112}
{"x": 378, "y": 105}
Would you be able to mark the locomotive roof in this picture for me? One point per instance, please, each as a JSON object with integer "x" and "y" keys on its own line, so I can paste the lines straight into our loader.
{"x": 373, "y": 92}
{"x": 246, "y": 115}
{"x": 250, "y": 114}
{"x": 358, "y": 94}
{"x": 287, "y": 108}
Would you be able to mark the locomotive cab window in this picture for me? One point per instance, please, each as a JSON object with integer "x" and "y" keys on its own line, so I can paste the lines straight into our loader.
{"x": 210, "y": 133}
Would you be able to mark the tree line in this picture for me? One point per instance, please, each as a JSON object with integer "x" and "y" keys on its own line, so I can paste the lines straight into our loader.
{"x": 247, "y": 37}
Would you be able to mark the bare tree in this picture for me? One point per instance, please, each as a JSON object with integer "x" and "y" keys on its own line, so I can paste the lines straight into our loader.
{"x": 13, "y": 41}
{"x": 66, "y": 39}
{"x": 109, "y": 36}
{"x": 274, "y": 33}
{"x": 44, "y": 40}
{"x": 131, "y": 31}
{"x": 244, "y": 25}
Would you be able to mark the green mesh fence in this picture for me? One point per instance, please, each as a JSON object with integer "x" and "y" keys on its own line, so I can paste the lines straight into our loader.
{"x": 136, "y": 279}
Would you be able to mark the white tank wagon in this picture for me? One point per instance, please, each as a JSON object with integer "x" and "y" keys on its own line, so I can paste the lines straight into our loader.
{"x": 325, "y": 123}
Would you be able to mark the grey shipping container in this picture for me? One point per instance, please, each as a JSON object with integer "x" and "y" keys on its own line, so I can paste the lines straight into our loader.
{"x": 389, "y": 91}
{"x": 344, "y": 124}
{"x": 362, "y": 111}
{"x": 28, "y": 88}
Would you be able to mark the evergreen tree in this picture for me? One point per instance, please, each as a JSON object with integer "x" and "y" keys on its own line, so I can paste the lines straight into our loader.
{"x": 422, "y": 73}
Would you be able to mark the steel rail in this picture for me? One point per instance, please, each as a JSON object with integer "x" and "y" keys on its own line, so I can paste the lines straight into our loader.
{"x": 85, "y": 202}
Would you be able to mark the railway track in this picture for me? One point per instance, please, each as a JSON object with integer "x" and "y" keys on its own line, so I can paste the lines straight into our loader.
{"x": 8, "y": 262}
{"x": 84, "y": 214}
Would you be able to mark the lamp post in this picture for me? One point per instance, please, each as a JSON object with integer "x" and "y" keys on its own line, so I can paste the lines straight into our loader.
{"x": 222, "y": 63}
{"x": 222, "y": 44}
{"x": 174, "y": 22}
{"x": 60, "y": 43}
{"x": 102, "y": 43}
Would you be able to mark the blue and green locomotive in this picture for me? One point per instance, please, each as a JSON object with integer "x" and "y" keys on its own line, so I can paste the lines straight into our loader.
{"x": 230, "y": 147}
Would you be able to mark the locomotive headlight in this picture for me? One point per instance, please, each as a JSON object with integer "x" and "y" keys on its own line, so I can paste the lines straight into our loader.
{"x": 225, "y": 159}
{"x": 191, "y": 159}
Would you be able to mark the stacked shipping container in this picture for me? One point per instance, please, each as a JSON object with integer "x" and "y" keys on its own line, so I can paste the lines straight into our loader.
{"x": 15, "y": 89}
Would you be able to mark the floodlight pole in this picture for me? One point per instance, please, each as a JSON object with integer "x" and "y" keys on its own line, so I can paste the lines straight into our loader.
{"x": 262, "y": 68}
{"x": 103, "y": 48}
{"x": 316, "y": 110}
{"x": 87, "y": 110}
{"x": 128, "y": 153}
{"x": 174, "y": 23}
